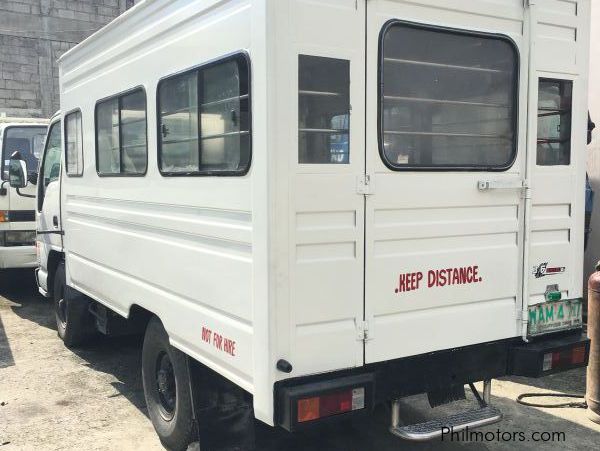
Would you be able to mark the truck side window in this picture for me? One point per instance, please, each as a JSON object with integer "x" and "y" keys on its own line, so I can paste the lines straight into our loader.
{"x": 73, "y": 143}
{"x": 554, "y": 122}
{"x": 50, "y": 169}
{"x": 180, "y": 150}
{"x": 323, "y": 110}
{"x": 448, "y": 99}
{"x": 121, "y": 140}
{"x": 204, "y": 120}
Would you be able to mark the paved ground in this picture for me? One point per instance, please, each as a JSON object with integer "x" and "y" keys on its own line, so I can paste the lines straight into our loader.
{"x": 52, "y": 398}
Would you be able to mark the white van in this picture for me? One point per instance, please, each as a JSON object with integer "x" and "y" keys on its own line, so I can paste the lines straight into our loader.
{"x": 315, "y": 207}
{"x": 17, "y": 214}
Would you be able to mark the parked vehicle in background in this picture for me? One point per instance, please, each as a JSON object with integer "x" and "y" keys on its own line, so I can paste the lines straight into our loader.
{"x": 17, "y": 211}
{"x": 314, "y": 207}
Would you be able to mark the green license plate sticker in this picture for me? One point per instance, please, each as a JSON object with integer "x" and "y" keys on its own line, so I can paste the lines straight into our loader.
{"x": 555, "y": 316}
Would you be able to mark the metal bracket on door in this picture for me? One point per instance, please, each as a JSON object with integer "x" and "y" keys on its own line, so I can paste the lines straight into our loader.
{"x": 363, "y": 333}
{"x": 365, "y": 185}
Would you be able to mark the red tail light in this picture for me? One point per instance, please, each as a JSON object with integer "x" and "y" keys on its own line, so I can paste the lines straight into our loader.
{"x": 578, "y": 355}
{"x": 322, "y": 406}
{"x": 564, "y": 358}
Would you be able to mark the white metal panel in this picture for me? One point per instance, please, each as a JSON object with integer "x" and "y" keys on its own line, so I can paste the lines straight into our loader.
{"x": 181, "y": 247}
{"x": 324, "y": 211}
{"x": 417, "y": 222}
{"x": 561, "y": 40}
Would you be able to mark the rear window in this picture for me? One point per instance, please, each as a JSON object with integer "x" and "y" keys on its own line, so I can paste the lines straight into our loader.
{"x": 448, "y": 99}
{"x": 29, "y": 141}
{"x": 554, "y": 122}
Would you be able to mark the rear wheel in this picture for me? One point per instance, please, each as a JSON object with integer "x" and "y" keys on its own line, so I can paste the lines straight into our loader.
{"x": 73, "y": 320}
{"x": 167, "y": 388}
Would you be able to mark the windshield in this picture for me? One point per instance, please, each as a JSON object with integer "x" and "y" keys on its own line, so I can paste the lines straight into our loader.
{"x": 29, "y": 141}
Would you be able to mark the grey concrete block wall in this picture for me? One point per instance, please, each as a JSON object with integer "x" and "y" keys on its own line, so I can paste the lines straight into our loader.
{"x": 33, "y": 35}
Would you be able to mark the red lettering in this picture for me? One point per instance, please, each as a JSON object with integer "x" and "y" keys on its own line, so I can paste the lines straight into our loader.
{"x": 463, "y": 275}
{"x": 206, "y": 334}
{"x": 431, "y": 279}
{"x": 419, "y": 279}
{"x": 476, "y": 277}
{"x": 402, "y": 285}
{"x": 218, "y": 341}
{"x": 229, "y": 347}
{"x": 442, "y": 278}
{"x": 439, "y": 278}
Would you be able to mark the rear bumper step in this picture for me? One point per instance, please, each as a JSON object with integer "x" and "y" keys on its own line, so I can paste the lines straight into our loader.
{"x": 435, "y": 428}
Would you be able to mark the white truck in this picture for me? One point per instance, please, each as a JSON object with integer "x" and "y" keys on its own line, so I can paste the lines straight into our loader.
{"x": 17, "y": 213}
{"x": 312, "y": 208}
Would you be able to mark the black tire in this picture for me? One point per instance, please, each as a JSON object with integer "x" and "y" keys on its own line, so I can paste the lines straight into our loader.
{"x": 170, "y": 406}
{"x": 73, "y": 320}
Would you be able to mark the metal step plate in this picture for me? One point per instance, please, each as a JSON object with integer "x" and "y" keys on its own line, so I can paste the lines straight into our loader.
{"x": 433, "y": 428}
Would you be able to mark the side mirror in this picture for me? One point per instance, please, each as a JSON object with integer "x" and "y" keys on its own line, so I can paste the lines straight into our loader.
{"x": 17, "y": 171}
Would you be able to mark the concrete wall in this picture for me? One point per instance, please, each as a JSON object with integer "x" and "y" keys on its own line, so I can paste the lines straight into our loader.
{"x": 592, "y": 254}
{"x": 33, "y": 35}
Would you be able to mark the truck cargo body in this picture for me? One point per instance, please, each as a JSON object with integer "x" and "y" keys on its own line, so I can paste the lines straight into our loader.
{"x": 379, "y": 192}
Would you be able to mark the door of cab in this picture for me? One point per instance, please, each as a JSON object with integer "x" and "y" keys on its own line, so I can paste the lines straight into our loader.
{"x": 446, "y": 90}
{"x": 49, "y": 228}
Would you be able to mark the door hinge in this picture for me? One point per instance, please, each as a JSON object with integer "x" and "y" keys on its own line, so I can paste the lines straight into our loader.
{"x": 526, "y": 192}
{"x": 362, "y": 330}
{"x": 365, "y": 185}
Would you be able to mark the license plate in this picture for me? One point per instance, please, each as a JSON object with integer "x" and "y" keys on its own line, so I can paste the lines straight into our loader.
{"x": 555, "y": 316}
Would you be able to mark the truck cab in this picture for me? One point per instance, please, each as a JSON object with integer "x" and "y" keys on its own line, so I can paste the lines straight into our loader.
{"x": 24, "y": 138}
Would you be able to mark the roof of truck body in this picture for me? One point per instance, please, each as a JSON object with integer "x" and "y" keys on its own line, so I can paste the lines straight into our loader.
{"x": 115, "y": 23}
{"x": 148, "y": 25}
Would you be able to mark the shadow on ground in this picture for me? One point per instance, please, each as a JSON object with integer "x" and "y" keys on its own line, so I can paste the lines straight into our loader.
{"x": 19, "y": 290}
{"x": 15, "y": 285}
{"x": 120, "y": 357}
{"x": 555, "y": 382}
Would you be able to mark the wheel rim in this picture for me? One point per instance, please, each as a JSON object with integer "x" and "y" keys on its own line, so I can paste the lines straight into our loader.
{"x": 61, "y": 311}
{"x": 165, "y": 383}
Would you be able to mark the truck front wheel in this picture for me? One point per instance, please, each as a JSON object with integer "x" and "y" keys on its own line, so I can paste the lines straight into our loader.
{"x": 167, "y": 388}
{"x": 73, "y": 320}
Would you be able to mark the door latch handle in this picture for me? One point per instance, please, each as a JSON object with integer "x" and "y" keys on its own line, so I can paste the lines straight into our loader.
{"x": 55, "y": 221}
{"x": 486, "y": 185}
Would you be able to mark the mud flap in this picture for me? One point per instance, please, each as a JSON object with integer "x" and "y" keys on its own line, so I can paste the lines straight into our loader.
{"x": 223, "y": 412}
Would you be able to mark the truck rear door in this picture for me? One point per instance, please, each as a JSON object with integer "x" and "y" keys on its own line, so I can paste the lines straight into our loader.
{"x": 327, "y": 72}
{"x": 446, "y": 159}
{"x": 559, "y": 116}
